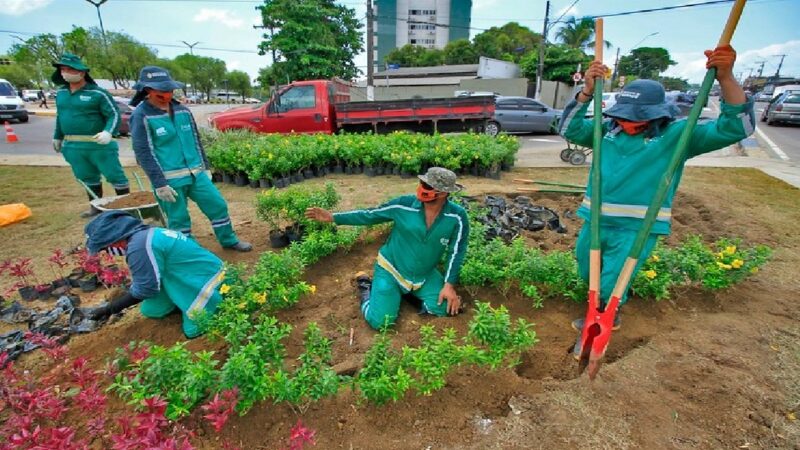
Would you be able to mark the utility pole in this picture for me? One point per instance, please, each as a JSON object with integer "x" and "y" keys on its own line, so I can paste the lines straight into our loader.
{"x": 540, "y": 69}
{"x": 191, "y": 46}
{"x": 778, "y": 72}
{"x": 616, "y": 68}
{"x": 761, "y": 68}
{"x": 370, "y": 52}
{"x": 97, "y": 4}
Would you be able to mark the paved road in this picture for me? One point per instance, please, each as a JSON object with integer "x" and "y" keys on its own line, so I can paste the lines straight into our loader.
{"x": 778, "y": 140}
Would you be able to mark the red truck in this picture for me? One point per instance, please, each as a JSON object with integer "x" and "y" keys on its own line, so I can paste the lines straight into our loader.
{"x": 323, "y": 106}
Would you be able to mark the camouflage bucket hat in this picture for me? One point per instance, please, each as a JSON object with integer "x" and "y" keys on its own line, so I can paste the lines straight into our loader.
{"x": 441, "y": 179}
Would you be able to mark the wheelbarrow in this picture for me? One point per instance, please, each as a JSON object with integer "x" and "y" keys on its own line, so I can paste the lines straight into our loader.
{"x": 575, "y": 154}
{"x": 147, "y": 211}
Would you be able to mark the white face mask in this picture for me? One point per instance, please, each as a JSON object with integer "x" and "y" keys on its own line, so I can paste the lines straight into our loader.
{"x": 71, "y": 77}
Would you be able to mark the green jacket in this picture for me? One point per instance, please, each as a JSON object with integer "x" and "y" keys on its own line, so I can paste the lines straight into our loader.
{"x": 413, "y": 251}
{"x": 167, "y": 146}
{"x": 86, "y": 112}
{"x": 633, "y": 165}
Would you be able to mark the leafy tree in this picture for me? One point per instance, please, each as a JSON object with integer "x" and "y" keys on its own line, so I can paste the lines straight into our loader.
{"x": 17, "y": 75}
{"x": 645, "y": 62}
{"x": 415, "y": 56}
{"x": 460, "y": 51}
{"x": 674, "y": 83}
{"x": 203, "y": 72}
{"x": 560, "y": 62}
{"x": 511, "y": 42}
{"x": 240, "y": 82}
{"x": 120, "y": 60}
{"x": 578, "y": 33}
{"x": 316, "y": 38}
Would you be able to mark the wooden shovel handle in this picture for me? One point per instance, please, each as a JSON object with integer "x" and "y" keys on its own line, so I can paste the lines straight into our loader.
{"x": 598, "y": 39}
{"x": 733, "y": 20}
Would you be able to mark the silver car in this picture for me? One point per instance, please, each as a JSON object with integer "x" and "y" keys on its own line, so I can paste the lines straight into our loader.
{"x": 783, "y": 108}
{"x": 522, "y": 115}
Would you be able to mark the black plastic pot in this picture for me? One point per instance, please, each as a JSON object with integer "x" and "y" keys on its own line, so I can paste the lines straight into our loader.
{"x": 298, "y": 178}
{"x": 27, "y": 293}
{"x": 227, "y": 178}
{"x": 75, "y": 277}
{"x": 61, "y": 282}
{"x": 396, "y": 170}
{"x": 278, "y": 239}
{"x": 492, "y": 173}
{"x": 254, "y": 184}
{"x": 43, "y": 292}
{"x": 264, "y": 183}
{"x": 309, "y": 174}
{"x": 293, "y": 235}
{"x": 88, "y": 284}
{"x": 378, "y": 170}
{"x": 405, "y": 174}
{"x": 348, "y": 170}
{"x": 474, "y": 171}
{"x": 505, "y": 167}
{"x": 369, "y": 171}
{"x": 357, "y": 169}
{"x": 337, "y": 169}
{"x": 241, "y": 179}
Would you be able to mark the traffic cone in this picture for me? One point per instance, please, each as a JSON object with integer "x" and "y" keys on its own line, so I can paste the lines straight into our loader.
{"x": 11, "y": 137}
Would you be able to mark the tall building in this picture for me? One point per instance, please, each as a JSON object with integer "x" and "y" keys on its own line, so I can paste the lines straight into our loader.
{"x": 429, "y": 23}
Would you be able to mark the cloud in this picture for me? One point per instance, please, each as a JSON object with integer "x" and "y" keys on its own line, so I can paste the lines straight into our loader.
{"x": 483, "y": 4}
{"x": 21, "y": 7}
{"x": 221, "y": 16}
{"x": 692, "y": 66}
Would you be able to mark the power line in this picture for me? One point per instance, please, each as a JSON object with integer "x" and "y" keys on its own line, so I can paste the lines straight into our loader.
{"x": 667, "y": 8}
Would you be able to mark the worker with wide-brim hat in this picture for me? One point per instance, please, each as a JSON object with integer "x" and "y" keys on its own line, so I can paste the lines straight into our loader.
{"x": 87, "y": 119}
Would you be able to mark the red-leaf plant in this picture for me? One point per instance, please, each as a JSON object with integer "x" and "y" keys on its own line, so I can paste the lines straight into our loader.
{"x": 58, "y": 260}
{"x": 20, "y": 269}
{"x": 49, "y": 345}
{"x": 220, "y": 408}
{"x": 300, "y": 435}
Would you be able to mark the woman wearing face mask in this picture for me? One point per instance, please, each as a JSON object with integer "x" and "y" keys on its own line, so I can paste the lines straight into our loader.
{"x": 640, "y": 135}
{"x": 168, "y": 147}
{"x": 86, "y": 119}
{"x": 169, "y": 271}
{"x": 426, "y": 227}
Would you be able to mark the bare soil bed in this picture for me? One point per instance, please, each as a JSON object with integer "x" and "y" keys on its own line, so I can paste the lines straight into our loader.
{"x": 700, "y": 371}
{"x": 132, "y": 200}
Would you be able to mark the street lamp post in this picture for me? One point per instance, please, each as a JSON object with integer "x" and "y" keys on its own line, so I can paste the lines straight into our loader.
{"x": 97, "y": 4}
{"x": 191, "y": 46}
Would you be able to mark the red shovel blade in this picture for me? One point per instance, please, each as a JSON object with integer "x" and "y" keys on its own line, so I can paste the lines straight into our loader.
{"x": 596, "y": 334}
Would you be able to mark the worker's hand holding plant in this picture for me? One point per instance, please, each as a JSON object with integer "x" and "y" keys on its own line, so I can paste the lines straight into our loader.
{"x": 319, "y": 214}
{"x": 449, "y": 294}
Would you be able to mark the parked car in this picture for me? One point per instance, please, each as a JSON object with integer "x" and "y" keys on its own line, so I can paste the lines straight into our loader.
{"x": 609, "y": 100}
{"x": 684, "y": 102}
{"x": 11, "y": 106}
{"x": 252, "y": 100}
{"x": 783, "y": 108}
{"x": 522, "y": 115}
{"x": 30, "y": 95}
{"x": 763, "y": 96}
{"x": 125, "y": 111}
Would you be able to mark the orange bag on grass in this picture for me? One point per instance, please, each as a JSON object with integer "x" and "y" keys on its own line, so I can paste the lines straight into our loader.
{"x": 13, "y": 213}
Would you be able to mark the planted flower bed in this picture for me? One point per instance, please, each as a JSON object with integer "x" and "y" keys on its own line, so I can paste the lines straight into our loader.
{"x": 266, "y": 160}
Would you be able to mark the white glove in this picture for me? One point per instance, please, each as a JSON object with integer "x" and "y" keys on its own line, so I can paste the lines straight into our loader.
{"x": 57, "y": 145}
{"x": 167, "y": 194}
{"x": 102, "y": 138}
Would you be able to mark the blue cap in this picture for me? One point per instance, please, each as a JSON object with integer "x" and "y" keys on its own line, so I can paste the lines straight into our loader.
{"x": 642, "y": 101}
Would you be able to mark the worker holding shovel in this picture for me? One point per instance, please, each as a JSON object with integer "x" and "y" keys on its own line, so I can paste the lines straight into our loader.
{"x": 87, "y": 118}
{"x": 426, "y": 227}
{"x": 169, "y": 271}
{"x": 640, "y": 135}
{"x": 168, "y": 147}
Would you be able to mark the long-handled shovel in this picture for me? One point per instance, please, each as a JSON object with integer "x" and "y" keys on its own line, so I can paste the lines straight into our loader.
{"x": 597, "y": 328}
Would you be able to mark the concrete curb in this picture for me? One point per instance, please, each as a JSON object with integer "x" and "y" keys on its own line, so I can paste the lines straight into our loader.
{"x": 43, "y": 113}
{"x": 751, "y": 147}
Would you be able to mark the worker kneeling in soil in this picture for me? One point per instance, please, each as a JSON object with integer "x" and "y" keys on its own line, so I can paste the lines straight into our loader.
{"x": 426, "y": 226}
{"x": 169, "y": 271}
{"x": 641, "y": 134}
{"x": 168, "y": 147}
{"x": 87, "y": 117}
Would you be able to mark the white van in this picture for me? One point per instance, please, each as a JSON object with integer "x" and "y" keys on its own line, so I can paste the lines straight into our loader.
{"x": 11, "y": 106}
{"x": 786, "y": 87}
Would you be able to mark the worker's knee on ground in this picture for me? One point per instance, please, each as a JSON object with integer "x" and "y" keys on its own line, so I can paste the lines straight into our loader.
{"x": 157, "y": 308}
{"x": 435, "y": 308}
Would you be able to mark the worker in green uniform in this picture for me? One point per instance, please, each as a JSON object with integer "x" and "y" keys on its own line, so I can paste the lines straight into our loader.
{"x": 87, "y": 118}
{"x": 169, "y": 271}
{"x": 640, "y": 134}
{"x": 167, "y": 146}
{"x": 426, "y": 227}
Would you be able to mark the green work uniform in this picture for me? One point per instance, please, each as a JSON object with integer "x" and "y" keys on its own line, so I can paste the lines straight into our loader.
{"x": 407, "y": 262}
{"x": 632, "y": 167}
{"x": 167, "y": 146}
{"x": 82, "y": 114}
{"x": 171, "y": 271}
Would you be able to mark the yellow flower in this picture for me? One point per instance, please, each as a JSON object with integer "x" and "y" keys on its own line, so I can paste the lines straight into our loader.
{"x": 650, "y": 274}
{"x": 723, "y": 266}
{"x": 224, "y": 289}
{"x": 241, "y": 305}
{"x": 261, "y": 298}
{"x": 729, "y": 250}
{"x": 313, "y": 289}
{"x": 720, "y": 255}
{"x": 754, "y": 270}
{"x": 737, "y": 263}
{"x": 654, "y": 258}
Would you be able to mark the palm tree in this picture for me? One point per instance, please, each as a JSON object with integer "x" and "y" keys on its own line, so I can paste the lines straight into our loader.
{"x": 578, "y": 33}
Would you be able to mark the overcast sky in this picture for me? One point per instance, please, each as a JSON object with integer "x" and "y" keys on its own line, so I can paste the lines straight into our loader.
{"x": 224, "y": 28}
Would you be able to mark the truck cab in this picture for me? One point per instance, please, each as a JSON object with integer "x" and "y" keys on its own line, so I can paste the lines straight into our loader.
{"x": 300, "y": 107}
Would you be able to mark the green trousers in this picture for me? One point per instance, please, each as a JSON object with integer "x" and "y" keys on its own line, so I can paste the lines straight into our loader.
{"x": 383, "y": 305}
{"x": 88, "y": 162}
{"x": 203, "y": 192}
{"x": 163, "y": 305}
{"x": 615, "y": 245}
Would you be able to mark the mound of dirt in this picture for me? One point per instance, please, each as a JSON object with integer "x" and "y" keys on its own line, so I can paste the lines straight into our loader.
{"x": 132, "y": 200}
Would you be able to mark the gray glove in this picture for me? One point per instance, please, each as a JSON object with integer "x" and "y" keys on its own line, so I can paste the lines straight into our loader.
{"x": 57, "y": 145}
{"x": 167, "y": 194}
{"x": 102, "y": 138}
